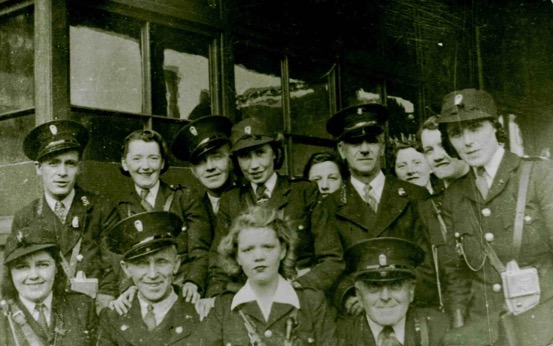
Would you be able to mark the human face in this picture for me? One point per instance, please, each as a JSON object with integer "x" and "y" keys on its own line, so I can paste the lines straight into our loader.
{"x": 153, "y": 274}
{"x": 257, "y": 163}
{"x": 327, "y": 176}
{"x": 33, "y": 275}
{"x": 442, "y": 165}
{"x": 59, "y": 173}
{"x": 213, "y": 168}
{"x": 385, "y": 304}
{"x": 143, "y": 162}
{"x": 475, "y": 141}
{"x": 259, "y": 253}
{"x": 363, "y": 158}
{"x": 411, "y": 166}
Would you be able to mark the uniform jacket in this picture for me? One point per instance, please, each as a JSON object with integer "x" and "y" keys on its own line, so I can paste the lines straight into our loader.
{"x": 194, "y": 241}
{"x": 469, "y": 215}
{"x": 86, "y": 218}
{"x": 397, "y": 216}
{"x": 315, "y": 322}
{"x": 421, "y": 329}
{"x": 179, "y": 327}
{"x": 298, "y": 202}
{"x": 73, "y": 323}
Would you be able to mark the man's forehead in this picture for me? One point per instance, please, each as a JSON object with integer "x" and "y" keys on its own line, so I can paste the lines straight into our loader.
{"x": 64, "y": 156}
{"x": 166, "y": 252}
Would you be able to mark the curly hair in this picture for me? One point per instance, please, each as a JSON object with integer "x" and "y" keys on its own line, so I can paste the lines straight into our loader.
{"x": 8, "y": 290}
{"x": 259, "y": 217}
{"x": 146, "y": 136}
{"x": 326, "y": 156}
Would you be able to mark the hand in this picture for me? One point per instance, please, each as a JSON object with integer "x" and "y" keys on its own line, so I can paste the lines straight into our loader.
{"x": 102, "y": 301}
{"x": 352, "y": 306}
{"x": 123, "y": 303}
{"x": 190, "y": 292}
{"x": 203, "y": 306}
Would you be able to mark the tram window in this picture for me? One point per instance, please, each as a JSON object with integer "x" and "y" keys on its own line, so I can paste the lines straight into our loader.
{"x": 258, "y": 85}
{"x": 106, "y": 66}
{"x": 12, "y": 132}
{"x": 16, "y": 62}
{"x": 180, "y": 69}
{"x": 309, "y": 97}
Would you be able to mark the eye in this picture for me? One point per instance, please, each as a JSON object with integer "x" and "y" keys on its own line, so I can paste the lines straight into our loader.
{"x": 20, "y": 266}
{"x": 247, "y": 249}
{"x": 315, "y": 178}
{"x": 396, "y": 286}
{"x": 268, "y": 246}
{"x": 454, "y": 132}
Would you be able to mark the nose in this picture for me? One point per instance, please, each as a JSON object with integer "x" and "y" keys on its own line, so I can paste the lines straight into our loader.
{"x": 254, "y": 163}
{"x": 62, "y": 170}
{"x": 323, "y": 185}
{"x": 144, "y": 164}
{"x": 33, "y": 273}
{"x": 468, "y": 137}
{"x": 411, "y": 169}
{"x": 209, "y": 164}
{"x": 258, "y": 254}
{"x": 364, "y": 148}
{"x": 439, "y": 155}
{"x": 152, "y": 270}
{"x": 385, "y": 293}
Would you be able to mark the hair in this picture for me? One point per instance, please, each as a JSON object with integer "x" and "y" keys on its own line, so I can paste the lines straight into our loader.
{"x": 277, "y": 148}
{"x": 49, "y": 156}
{"x": 259, "y": 217}
{"x": 500, "y": 135}
{"x": 326, "y": 156}
{"x": 146, "y": 136}
{"x": 8, "y": 289}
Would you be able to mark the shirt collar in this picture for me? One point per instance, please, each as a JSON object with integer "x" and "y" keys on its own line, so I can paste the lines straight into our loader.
{"x": 270, "y": 184}
{"x": 160, "y": 308}
{"x": 152, "y": 195}
{"x": 285, "y": 294}
{"x": 67, "y": 201}
{"x": 214, "y": 202}
{"x": 377, "y": 184}
{"x": 31, "y": 305}
{"x": 492, "y": 166}
{"x": 399, "y": 329}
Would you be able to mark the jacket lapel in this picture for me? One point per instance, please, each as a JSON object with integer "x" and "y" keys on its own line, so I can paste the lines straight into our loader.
{"x": 278, "y": 311}
{"x": 76, "y": 219}
{"x": 509, "y": 163}
{"x": 162, "y": 195}
{"x": 133, "y": 329}
{"x": 37, "y": 329}
{"x": 354, "y": 209}
{"x": 279, "y": 197}
{"x": 392, "y": 203}
{"x": 177, "y": 324}
{"x": 251, "y": 309}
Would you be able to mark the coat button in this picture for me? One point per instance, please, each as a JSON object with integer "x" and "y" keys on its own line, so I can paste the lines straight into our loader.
{"x": 80, "y": 258}
{"x": 496, "y": 288}
{"x": 183, "y": 228}
{"x": 489, "y": 237}
{"x": 527, "y": 219}
{"x": 300, "y": 227}
{"x": 268, "y": 333}
{"x": 486, "y": 212}
{"x": 179, "y": 330}
{"x": 310, "y": 340}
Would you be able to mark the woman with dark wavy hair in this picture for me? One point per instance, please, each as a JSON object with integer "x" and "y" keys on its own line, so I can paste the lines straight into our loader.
{"x": 327, "y": 170}
{"x": 37, "y": 309}
{"x": 267, "y": 310}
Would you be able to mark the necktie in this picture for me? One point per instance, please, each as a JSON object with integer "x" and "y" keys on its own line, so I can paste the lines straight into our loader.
{"x": 149, "y": 318}
{"x": 261, "y": 194}
{"x": 370, "y": 197}
{"x": 145, "y": 204}
{"x": 60, "y": 211}
{"x": 481, "y": 182}
{"x": 388, "y": 338}
{"x": 42, "y": 318}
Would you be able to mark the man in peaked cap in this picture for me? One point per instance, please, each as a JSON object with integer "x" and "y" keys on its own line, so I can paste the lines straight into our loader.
{"x": 76, "y": 215}
{"x": 158, "y": 314}
{"x": 384, "y": 273}
{"x": 257, "y": 154}
{"x": 480, "y": 208}
{"x": 373, "y": 204}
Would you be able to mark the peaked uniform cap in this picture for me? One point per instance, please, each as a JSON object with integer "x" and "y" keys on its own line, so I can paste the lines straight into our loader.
{"x": 251, "y": 132}
{"x": 36, "y": 236}
{"x": 367, "y": 120}
{"x": 55, "y": 137}
{"x": 144, "y": 233}
{"x": 384, "y": 259}
{"x": 200, "y": 136}
{"x": 467, "y": 104}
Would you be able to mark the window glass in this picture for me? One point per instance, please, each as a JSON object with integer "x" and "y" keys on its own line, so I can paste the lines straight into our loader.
{"x": 12, "y": 132}
{"x": 180, "y": 67}
{"x": 106, "y": 68}
{"x": 16, "y": 62}
{"x": 258, "y": 85}
{"x": 302, "y": 153}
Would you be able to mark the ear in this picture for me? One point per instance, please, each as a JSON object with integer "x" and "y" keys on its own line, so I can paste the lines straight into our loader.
{"x": 359, "y": 293}
{"x": 79, "y": 167}
{"x": 37, "y": 168}
{"x": 341, "y": 150}
{"x": 412, "y": 292}
{"x": 125, "y": 268}
{"x": 176, "y": 266}
{"x": 283, "y": 252}
{"x": 194, "y": 172}
{"x": 124, "y": 164}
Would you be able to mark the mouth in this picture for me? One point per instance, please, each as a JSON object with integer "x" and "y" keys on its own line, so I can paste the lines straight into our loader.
{"x": 413, "y": 178}
{"x": 472, "y": 152}
{"x": 61, "y": 183}
{"x": 211, "y": 176}
{"x": 441, "y": 164}
{"x": 260, "y": 269}
{"x": 256, "y": 175}
{"x": 152, "y": 284}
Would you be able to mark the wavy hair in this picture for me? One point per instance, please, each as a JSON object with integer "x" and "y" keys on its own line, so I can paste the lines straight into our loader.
{"x": 259, "y": 217}
{"x": 146, "y": 136}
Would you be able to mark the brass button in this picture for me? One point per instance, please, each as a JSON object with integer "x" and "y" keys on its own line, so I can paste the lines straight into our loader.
{"x": 268, "y": 333}
{"x": 527, "y": 219}
{"x": 489, "y": 237}
{"x": 301, "y": 227}
{"x": 486, "y": 212}
{"x": 80, "y": 258}
{"x": 183, "y": 228}
{"x": 496, "y": 288}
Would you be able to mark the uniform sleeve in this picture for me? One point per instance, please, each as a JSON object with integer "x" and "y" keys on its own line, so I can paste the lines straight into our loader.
{"x": 198, "y": 232}
{"x": 210, "y": 331}
{"x": 109, "y": 278}
{"x": 106, "y": 330}
{"x": 543, "y": 189}
{"x": 323, "y": 317}
{"x": 327, "y": 246}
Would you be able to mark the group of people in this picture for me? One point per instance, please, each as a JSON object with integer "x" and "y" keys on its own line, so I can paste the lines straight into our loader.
{"x": 346, "y": 255}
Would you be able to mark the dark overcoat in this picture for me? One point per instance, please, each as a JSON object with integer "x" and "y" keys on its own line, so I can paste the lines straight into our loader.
{"x": 73, "y": 317}
{"x": 297, "y": 200}
{"x": 179, "y": 327}
{"x": 86, "y": 219}
{"x": 315, "y": 322}
{"x": 397, "y": 216}
{"x": 194, "y": 241}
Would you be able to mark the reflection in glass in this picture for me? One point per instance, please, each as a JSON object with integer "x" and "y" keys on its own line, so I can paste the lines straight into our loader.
{"x": 16, "y": 63}
{"x": 12, "y": 132}
{"x": 106, "y": 70}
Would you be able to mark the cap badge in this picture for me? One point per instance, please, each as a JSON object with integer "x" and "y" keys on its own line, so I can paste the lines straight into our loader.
{"x": 458, "y": 99}
{"x": 193, "y": 131}
{"x": 401, "y": 192}
{"x": 19, "y": 236}
{"x": 248, "y": 130}
{"x": 382, "y": 260}
{"x": 360, "y": 111}
{"x": 54, "y": 129}
{"x": 138, "y": 225}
